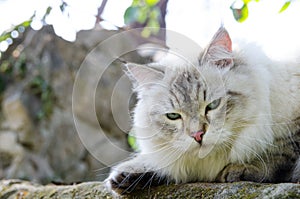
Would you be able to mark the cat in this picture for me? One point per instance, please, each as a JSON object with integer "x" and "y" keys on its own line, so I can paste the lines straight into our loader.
{"x": 231, "y": 115}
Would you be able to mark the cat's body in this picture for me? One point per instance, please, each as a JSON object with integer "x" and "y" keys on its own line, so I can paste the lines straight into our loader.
{"x": 228, "y": 116}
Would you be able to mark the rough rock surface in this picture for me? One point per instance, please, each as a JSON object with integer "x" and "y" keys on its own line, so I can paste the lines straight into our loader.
{"x": 39, "y": 121}
{"x": 26, "y": 190}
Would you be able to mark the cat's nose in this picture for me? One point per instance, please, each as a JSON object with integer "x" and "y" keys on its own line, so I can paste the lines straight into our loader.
{"x": 198, "y": 136}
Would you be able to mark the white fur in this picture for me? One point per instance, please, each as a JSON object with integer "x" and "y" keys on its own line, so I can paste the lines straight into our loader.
{"x": 273, "y": 101}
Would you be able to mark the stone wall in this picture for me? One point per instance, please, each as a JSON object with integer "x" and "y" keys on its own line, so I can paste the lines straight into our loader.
{"x": 27, "y": 190}
{"x": 39, "y": 137}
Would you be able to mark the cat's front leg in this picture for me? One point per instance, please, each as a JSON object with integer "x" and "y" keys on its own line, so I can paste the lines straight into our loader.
{"x": 241, "y": 172}
{"x": 133, "y": 175}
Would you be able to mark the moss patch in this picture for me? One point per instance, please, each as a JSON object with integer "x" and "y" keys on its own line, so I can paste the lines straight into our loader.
{"x": 248, "y": 190}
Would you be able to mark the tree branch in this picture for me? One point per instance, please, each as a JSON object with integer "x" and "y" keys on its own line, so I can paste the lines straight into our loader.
{"x": 100, "y": 11}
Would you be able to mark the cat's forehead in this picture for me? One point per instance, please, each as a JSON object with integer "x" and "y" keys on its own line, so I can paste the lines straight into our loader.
{"x": 187, "y": 76}
{"x": 195, "y": 84}
{"x": 185, "y": 86}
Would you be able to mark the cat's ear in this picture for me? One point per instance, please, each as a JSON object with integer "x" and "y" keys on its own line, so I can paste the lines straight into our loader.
{"x": 142, "y": 75}
{"x": 219, "y": 50}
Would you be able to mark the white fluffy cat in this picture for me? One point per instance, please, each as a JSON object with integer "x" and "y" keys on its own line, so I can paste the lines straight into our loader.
{"x": 231, "y": 115}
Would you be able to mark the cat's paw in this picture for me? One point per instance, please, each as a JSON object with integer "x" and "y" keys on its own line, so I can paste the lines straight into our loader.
{"x": 125, "y": 182}
{"x": 126, "y": 178}
{"x": 231, "y": 173}
{"x": 239, "y": 172}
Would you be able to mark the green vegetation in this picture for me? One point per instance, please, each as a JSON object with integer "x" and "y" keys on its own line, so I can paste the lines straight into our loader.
{"x": 285, "y": 6}
{"x": 40, "y": 88}
{"x": 241, "y": 14}
{"x": 132, "y": 142}
{"x": 15, "y": 69}
{"x": 11, "y": 69}
{"x": 144, "y": 12}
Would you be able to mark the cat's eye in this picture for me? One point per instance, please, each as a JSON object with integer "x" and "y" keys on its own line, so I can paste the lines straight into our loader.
{"x": 213, "y": 105}
{"x": 173, "y": 116}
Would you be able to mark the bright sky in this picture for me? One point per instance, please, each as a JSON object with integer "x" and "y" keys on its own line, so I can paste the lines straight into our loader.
{"x": 277, "y": 33}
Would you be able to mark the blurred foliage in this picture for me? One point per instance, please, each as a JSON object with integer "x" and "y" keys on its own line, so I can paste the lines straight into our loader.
{"x": 14, "y": 32}
{"x": 15, "y": 69}
{"x": 13, "y": 66}
{"x": 285, "y": 6}
{"x": 40, "y": 88}
{"x": 241, "y": 14}
{"x": 8, "y": 36}
{"x": 132, "y": 142}
{"x": 144, "y": 12}
{"x": 12, "y": 69}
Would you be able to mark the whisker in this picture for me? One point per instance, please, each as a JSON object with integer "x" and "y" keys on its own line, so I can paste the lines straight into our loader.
{"x": 260, "y": 158}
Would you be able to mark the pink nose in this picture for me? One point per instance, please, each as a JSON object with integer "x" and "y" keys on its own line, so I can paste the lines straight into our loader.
{"x": 198, "y": 136}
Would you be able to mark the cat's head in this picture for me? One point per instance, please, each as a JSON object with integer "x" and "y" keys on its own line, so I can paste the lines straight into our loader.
{"x": 196, "y": 106}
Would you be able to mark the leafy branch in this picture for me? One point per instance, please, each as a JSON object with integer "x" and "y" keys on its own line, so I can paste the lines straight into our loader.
{"x": 146, "y": 13}
{"x": 241, "y": 14}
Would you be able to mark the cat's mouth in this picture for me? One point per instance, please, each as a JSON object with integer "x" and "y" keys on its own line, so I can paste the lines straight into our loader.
{"x": 198, "y": 136}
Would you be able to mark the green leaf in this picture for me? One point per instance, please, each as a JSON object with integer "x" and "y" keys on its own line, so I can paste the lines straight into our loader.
{"x": 285, "y": 6}
{"x": 151, "y": 2}
{"x": 63, "y": 6}
{"x": 4, "y": 36}
{"x": 155, "y": 14}
{"x": 151, "y": 28}
{"x": 7, "y": 34}
{"x": 131, "y": 14}
{"x": 246, "y": 1}
{"x": 132, "y": 142}
{"x": 142, "y": 14}
{"x": 48, "y": 10}
{"x": 154, "y": 26}
{"x": 240, "y": 14}
{"x": 136, "y": 3}
{"x": 26, "y": 23}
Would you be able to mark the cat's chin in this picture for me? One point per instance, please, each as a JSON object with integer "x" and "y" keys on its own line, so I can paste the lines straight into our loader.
{"x": 205, "y": 150}
{"x": 202, "y": 150}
